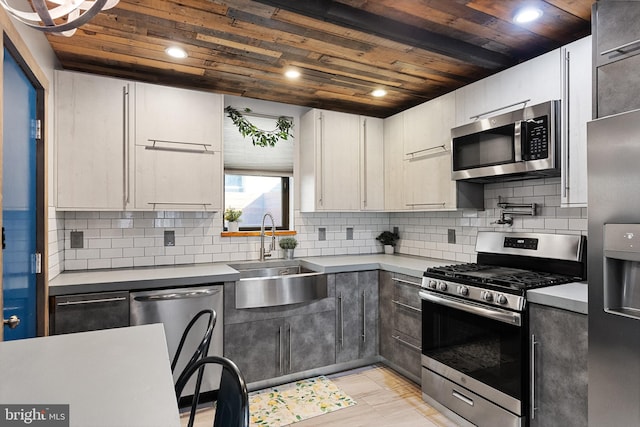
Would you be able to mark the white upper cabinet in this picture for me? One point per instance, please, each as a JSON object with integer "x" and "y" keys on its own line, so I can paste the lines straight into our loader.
{"x": 178, "y": 149}
{"x": 576, "y": 112}
{"x": 394, "y": 163}
{"x": 371, "y": 164}
{"x": 428, "y": 126}
{"x": 427, "y": 157}
{"x": 92, "y": 130}
{"x": 133, "y": 146}
{"x": 531, "y": 82}
{"x": 329, "y": 161}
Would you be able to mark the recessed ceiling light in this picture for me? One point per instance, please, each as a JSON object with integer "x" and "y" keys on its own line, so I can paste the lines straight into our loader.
{"x": 379, "y": 93}
{"x": 176, "y": 52}
{"x": 527, "y": 14}
{"x": 292, "y": 74}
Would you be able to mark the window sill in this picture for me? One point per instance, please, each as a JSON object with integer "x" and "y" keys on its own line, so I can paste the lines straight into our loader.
{"x": 256, "y": 233}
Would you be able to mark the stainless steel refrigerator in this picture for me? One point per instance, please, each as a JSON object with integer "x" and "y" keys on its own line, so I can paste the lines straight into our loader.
{"x": 614, "y": 270}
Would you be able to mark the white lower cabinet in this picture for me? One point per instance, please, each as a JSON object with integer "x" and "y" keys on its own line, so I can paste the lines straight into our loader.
{"x": 124, "y": 145}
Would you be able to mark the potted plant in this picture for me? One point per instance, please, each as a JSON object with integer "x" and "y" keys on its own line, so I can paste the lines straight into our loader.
{"x": 388, "y": 239}
{"x": 232, "y": 216}
{"x": 288, "y": 244}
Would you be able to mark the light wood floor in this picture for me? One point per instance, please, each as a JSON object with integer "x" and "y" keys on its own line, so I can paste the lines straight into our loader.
{"x": 384, "y": 399}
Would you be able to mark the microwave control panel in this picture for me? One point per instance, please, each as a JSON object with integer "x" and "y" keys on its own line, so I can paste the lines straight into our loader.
{"x": 535, "y": 138}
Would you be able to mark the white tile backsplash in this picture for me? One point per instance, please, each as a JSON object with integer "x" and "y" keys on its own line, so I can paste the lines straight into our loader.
{"x": 127, "y": 239}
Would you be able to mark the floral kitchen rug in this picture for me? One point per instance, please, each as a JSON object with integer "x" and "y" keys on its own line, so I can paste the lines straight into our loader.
{"x": 293, "y": 402}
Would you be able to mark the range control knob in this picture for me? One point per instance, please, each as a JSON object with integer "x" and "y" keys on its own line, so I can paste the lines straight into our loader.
{"x": 433, "y": 284}
{"x": 463, "y": 290}
{"x": 487, "y": 296}
{"x": 501, "y": 299}
{"x": 442, "y": 286}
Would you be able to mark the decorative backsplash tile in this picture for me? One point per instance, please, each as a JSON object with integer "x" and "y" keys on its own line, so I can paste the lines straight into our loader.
{"x": 131, "y": 239}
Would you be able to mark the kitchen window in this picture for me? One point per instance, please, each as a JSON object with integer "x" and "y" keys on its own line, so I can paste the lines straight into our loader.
{"x": 255, "y": 195}
{"x": 258, "y": 179}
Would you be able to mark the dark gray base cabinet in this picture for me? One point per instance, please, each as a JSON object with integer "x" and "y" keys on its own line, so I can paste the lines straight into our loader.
{"x": 89, "y": 312}
{"x": 356, "y": 315}
{"x": 560, "y": 367}
{"x": 271, "y": 342}
{"x": 401, "y": 322}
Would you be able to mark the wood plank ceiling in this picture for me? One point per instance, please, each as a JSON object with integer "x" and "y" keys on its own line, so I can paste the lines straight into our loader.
{"x": 415, "y": 49}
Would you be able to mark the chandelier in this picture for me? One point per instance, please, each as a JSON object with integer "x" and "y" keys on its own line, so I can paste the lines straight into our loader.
{"x": 77, "y": 13}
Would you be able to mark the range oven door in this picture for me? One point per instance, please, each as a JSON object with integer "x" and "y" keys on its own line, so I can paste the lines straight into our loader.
{"x": 480, "y": 348}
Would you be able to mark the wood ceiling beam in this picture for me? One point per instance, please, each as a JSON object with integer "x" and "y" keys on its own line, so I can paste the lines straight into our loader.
{"x": 358, "y": 19}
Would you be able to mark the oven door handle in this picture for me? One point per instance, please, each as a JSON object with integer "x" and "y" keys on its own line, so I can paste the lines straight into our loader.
{"x": 499, "y": 314}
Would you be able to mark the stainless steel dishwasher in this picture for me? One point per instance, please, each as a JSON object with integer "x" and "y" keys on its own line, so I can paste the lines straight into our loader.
{"x": 174, "y": 308}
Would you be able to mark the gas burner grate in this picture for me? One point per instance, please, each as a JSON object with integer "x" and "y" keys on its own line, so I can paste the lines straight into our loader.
{"x": 530, "y": 279}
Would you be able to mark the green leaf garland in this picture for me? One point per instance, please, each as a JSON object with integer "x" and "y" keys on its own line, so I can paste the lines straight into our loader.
{"x": 259, "y": 137}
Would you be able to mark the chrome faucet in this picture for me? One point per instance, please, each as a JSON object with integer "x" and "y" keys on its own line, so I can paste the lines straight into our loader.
{"x": 272, "y": 246}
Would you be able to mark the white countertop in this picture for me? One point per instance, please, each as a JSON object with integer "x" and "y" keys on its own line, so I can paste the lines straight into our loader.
{"x": 109, "y": 378}
{"x": 140, "y": 278}
{"x": 571, "y": 296}
{"x": 404, "y": 264}
{"x": 85, "y": 281}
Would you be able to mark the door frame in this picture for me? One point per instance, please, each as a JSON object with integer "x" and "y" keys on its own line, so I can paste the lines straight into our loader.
{"x": 12, "y": 40}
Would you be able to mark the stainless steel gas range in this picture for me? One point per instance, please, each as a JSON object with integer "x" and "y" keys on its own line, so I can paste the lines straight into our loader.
{"x": 475, "y": 329}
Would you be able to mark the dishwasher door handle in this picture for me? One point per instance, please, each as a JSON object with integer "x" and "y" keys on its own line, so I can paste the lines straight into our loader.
{"x": 177, "y": 295}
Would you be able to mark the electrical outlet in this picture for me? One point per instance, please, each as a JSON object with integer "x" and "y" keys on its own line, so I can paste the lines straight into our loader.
{"x": 77, "y": 240}
{"x": 169, "y": 238}
{"x": 349, "y": 233}
{"x": 322, "y": 233}
{"x": 451, "y": 235}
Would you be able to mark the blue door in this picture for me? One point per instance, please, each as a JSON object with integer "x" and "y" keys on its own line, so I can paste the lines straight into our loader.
{"x": 18, "y": 199}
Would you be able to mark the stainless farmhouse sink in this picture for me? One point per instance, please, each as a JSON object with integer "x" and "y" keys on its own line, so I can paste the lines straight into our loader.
{"x": 277, "y": 283}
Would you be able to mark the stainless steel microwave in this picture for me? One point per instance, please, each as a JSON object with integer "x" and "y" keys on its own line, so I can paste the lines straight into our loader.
{"x": 520, "y": 144}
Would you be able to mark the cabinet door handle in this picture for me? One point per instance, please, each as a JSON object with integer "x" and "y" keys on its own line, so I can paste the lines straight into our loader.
{"x": 91, "y": 301}
{"x": 290, "y": 329}
{"x": 364, "y": 163}
{"x": 403, "y": 305}
{"x": 187, "y": 147}
{"x": 321, "y": 142}
{"x": 341, "y": 320}
{"x": 408, "y": 344}
{"x": 524, "y": 103}
{"x": 426, "y": 204}
{"x": 417, "y": 285}
{"x": 565, "y": 121}
{"x": 364, "y": 317}
{"x": 442, "y": 148}
{"x": 534, "y": 343}
{"x": 125, "y": 144}
{"x": 620, "y": 48}
{"x": 280, "y": 348}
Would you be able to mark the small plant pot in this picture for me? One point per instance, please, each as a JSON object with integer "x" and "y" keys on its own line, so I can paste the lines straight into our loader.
{"x": 287, "y": 253}
{"x": 388, "y": 249}
{"x": 233, "y": 226}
